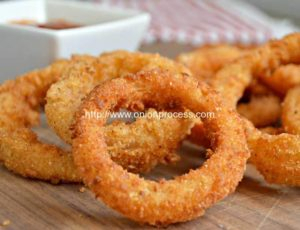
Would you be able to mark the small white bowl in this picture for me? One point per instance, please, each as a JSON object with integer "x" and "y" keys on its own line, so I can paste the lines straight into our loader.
{"x": 23, "y": 48}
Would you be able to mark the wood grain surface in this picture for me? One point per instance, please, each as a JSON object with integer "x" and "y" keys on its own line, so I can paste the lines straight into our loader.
{"x": 30, "y": 204}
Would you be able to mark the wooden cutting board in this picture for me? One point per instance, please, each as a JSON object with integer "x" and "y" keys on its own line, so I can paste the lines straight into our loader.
{"x": 30, "y": 204}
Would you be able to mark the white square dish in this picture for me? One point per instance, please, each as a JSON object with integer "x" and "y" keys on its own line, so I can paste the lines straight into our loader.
{"x": 23, "y": 47}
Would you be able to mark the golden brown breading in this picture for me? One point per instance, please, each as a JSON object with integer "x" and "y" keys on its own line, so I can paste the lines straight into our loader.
{"x": 272, "y": 130}
{"x": 291, "y": 111}
{"x": 20, "y": 150}
{"x": 207, "y": 60}
{"x": 232, "y": 80}
{"x": 261, "y": 110}
{"x": 64, "y": 97}
{"x": 27, "y": 156}
{"x": 160, "y": 203}
{"x": 284, "y": 78}
{"x": 274, "y": 155}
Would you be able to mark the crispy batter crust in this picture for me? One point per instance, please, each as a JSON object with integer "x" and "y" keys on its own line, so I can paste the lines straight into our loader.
{"x": 207, "y": 60}
{"x": 64, "y": 97}
{"x": 204, "y": 64}
{"x": 160, "y": 203}
{"x": 261, "y": 110}
{"x": 20, "y": 150}
{"x": 138, "y": 146}
{"x": 234, "y": 78}
{"x": 264, "y": 106}
{"x": 284, "y": 78}
{"x": 154, "y": 143}
{"x": 143, "y": 144}
{"x": 276, "y": 157}
{"x": 291, "y": 111}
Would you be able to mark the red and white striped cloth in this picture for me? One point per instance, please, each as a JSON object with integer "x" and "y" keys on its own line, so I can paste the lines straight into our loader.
{"x": 205, "y": 21}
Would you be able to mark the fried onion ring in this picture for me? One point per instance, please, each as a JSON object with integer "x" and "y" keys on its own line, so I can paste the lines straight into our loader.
{"x": 159, "y": 203}
{"x": 284, "y": 78}
{"x": 64, "y": 97}
{"x": 234, "y": 78}
{"x": 207, "y": 60}
{"x": 291, "y": 111}
{"x": 261, "y": 110}
{"x": 262, "y": 106}
{"x": 276, "y": 157}
{"x": 22, "y": 152}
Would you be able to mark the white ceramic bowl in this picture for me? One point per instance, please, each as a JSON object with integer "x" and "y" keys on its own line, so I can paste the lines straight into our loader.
{"x": 23, "y": 48}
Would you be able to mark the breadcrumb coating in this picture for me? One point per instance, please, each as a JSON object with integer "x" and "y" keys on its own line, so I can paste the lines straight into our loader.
{"x": 160, "y": 203}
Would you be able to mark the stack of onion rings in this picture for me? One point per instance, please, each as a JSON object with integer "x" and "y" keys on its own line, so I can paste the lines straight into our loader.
{"x": 23, "y": 153}
{"x": 277, "y": 157}
{"x": 262, "y": 107}
{"x": 105, "y": 156}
